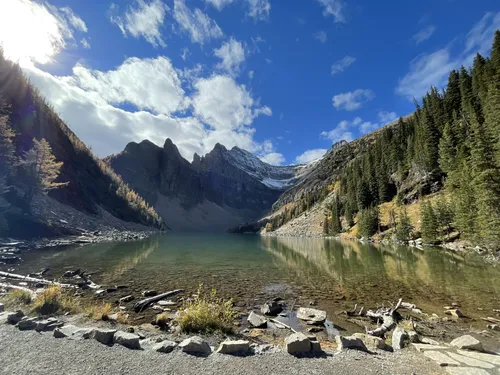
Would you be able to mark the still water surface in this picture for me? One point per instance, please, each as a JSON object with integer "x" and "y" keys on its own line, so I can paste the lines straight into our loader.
{"x": 252, "y": 269}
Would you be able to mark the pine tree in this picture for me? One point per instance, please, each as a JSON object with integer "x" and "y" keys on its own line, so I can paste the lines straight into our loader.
{"x": 403, "y": 226}
{"x": 444, "y": 215}
{"x": 447, "y": 149}
{"x": 363, "y": 195}
{"x": 452, "y": 98}
{"x": 429, "y": 227}
{"x": 41, "y": 170}
{"x": 368, "y": 222}
{"x": 336, "y": 226}
{"x": 7, "y": 151}
{"x": 464, "y": 203}
{"x": 326, "y": 226}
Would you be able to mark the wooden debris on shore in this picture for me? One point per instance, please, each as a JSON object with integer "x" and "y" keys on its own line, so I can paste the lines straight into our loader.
{"x": 29, "y": 279}
{"x": 17, "y": 287}
{"x": 491, "y": 320}
{"x": 389, "y": 318}
{"x": 142, "y": 304}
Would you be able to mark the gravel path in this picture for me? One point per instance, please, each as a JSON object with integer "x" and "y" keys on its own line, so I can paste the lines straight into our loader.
{"x": 28, "y": 352}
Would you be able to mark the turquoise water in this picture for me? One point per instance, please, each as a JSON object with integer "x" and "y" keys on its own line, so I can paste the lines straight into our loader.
{"x": 334, "y": 275}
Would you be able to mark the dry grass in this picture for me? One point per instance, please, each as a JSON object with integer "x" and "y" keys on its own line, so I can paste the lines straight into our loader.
{"x": 18, "y": 297}
{"x": 98, "y": 312}
{"x": 122, "y": 317}
{"x": 207, "y": 313}
{"x": 162, "y": 320}
{"x": 53, "y": 300}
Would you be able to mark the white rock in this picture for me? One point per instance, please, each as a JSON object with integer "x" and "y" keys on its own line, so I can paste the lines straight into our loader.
{"x": 350, "y": 343}
{"x": 65, "y": 331}
{"x": 424, "y": 347}
{"x": 491, "y": 358}
{"x": 467, "y": 342}
{"x": 298, "y": 343}
{"x": 234, "y": 347}
{"x": 426, "y": 340}
{"x": 195, "y": 345}
{"x": 470, "y": 361}
{"x": 128, "y": 340}
{"x": 371, "y": 342}
{"x": 256, "y": 320}
{"x": 311, "y": 316}
{"x": 467, "y": 371}
{"x": 441, "y": 358}
{"x": 399, "y": 338}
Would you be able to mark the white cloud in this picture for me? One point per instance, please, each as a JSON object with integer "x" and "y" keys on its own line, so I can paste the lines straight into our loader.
{"x": 185, "y": 53}
{"x": 223, "y": 104}
{"x": 219, "y": 4}
{"x": 232, "y": 55}
{"x": 432, "y": 69}
{"x": 33, "y": 31}
{"x": 310, "y": 155}
{"x": 259, "y": 9}
{"x": 333, "y": 8}
{"x": 273, "y": 158}
{"x": 151, "y": 84}
{"x": 424, "y": 34}
{"x": 345, "y": 129}
{"x": 85, "y": 43}
{"x": 343, "y": 64}
{"x": 251, "y": 74}
{"x": 353, "y": 100}
{"x": 144, "y": 20}
{"x": 321, "y": 36}
{"x": 387, "y": 117}
{"x": 197, "y": 24}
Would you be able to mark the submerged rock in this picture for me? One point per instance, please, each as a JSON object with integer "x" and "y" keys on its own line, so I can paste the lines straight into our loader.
{"x": 311, "y": 316}
{"x": 126, "y": 299}
{"x": 149, "y": 293}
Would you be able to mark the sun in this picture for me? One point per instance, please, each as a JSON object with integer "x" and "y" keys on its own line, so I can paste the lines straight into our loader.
{"x": 29, "y": 32}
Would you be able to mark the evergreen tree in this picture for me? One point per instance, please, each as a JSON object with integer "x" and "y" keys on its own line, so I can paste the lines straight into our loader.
{"x": 368, "y": 222}
{"x": 447, "y": 149}
{"x": 40, "y": 170}
{"x": 429, "y": 222}
{"x": 336, "y": 226}
{"x": 444, "y": 215}
{"x": 7, "y": 151}
{"x": 464, "y": 203}
{"x": 363, "y": 195}
{"x": 403, "y": 226}
{"x": 452, "y": 98}
{"x": 326, "y": 226}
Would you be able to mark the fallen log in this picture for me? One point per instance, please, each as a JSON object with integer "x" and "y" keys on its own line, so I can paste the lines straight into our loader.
{"x": 28, "y": 279}
{"x": 388, "y": 317}
{"x": 17, "y": 287}
{"x": 142, "y": 304}
{"x": 411, "y": 307}
{"x": 491, "y": 320}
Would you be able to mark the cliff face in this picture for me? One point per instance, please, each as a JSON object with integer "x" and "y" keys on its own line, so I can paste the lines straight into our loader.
{"x": 215, "y": 192}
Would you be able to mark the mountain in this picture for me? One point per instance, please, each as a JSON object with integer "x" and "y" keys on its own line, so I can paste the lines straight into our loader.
{"x": 94, "y": 193}
{"x": 213, "y": 193}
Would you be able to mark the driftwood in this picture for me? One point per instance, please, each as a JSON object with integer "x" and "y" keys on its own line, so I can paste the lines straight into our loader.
{"x": 33, "y": 279}
{"x": 411, "y": 307}
{"x": 491, "y": 320}
{"x": 277, "y": 322}
{"x": 142, "y": 304}
{"x": 389, "y": 319}
{"x": 17, "y": 287}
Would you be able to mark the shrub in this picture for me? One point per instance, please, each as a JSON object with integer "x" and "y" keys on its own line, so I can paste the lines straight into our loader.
{"x": 53, "y": 300}
{"x": 98, "y": 312}
{"x": 207, "y": 313}
{"x": 19, "y": 297}
{"x": 162, "y": 320}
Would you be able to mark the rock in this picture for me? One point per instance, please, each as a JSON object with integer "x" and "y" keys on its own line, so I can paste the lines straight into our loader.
{"x": 491, "y": 358}
{"x": 315, "y": 329}
{"x": 111, "y": 289}
{"x": 1, "y": 307}
{"x": 265, "y": 348}
{"x": 102, "y": 335}
{"x": 297, "y": 344}
{"x": 100, "y": 292}
{"x": 471, "y": 361}
{"x": 65, "y": 331}
{"x": 149, "y": 293}
{"x": 455, "y": 313}
{"x": 441, "y": 358}
{"x": 311, "y": 316}
{"x": 426, "y": 340}
{"x": 128, "y": 340}
{"x": 164, "y": 346}
{"x": 413, "y": 337}
{"x": 399, "y": 338}
{"x": 467, "y": 371}
{"x": 316, "y": 347}
{"x": 26, "y": 324}
{"x": 467, "y": 342}
{"x": 15, "y": 317}
{"x": 371, "y": 342}
{"x": 234, "y": 347}
{"x": 167, "y": 303}
{"x": 126, "y": 299}
{"x": 419, "y": 241}
{"x": 257, "y": 321}
{"x": 273, "y": 308}
{"x": 48, "y": 325}
{"x": 350, "y": 342}
{"x": 424, "y": 347}
{"x": 494, "y": 327}
{"x": 195, "y": 345}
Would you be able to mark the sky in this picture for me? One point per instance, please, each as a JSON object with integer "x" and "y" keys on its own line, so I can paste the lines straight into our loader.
{"x": 283, "y": 79}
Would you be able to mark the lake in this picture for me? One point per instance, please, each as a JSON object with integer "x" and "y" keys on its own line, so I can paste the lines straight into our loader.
{"x": 331, "y": 274}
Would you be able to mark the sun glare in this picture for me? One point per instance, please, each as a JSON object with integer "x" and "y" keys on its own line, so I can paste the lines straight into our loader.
{"x": 29, "y": 32}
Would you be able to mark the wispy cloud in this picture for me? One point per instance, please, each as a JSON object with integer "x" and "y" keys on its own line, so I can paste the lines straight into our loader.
{"x": 321, "y": 36}
{"x": 345, "y": 130}
{"x": 197, "y": 24}
{"x": 424, "y": 34}
{"x": 232, "y": 54}
{"x": 310, "y": 155}
{"x": 144, "y": 20}
{"x": 432, "y": 69}
{"x": 352, "y": 100}
{"x": 343, "y": 64}
{"x": 333, "y": 8}
{"x": 273, "y": 158}
{"x": 387, "y": 117}
{"x": 85, "y": 43}
{"x": 219, "y": 4}
{"x": 259, "y": 10}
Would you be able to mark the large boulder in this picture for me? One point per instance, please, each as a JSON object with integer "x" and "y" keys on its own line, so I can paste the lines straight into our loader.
{"x": 103, "y": 335}
{"x": 26, "y": 324}
{"x": 311, "y": 316}
{"x": 126, "y": 339}
{"x": 15, "y": 317}
{"x": 297, "y": 344}
{"x": 72, "y": 332}
{"x": 350, "y": 342}
{"x": 195, "y": 345}
{"x": 467, "y": 342}
{"x": 371, "y": 342}
{"x": 48, "y": 325}
{"x": 399, "y": 338}
{"x": 273, "y": 308}
{"x": 166, "y": 346}
{"x": 234, "y": 347}
{"x": 257, "y": 321}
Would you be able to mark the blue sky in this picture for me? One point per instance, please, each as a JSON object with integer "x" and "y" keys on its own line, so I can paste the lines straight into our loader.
{"x": 282, "y": 79}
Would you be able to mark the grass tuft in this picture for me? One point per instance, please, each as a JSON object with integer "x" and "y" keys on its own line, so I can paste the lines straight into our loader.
{"x": 207, "y": 313}
{"x": 162, "y": 320}
{"x": 19, "y": 297}
{"x": 98, "y": 312}
{"x": 52, "y": 301}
